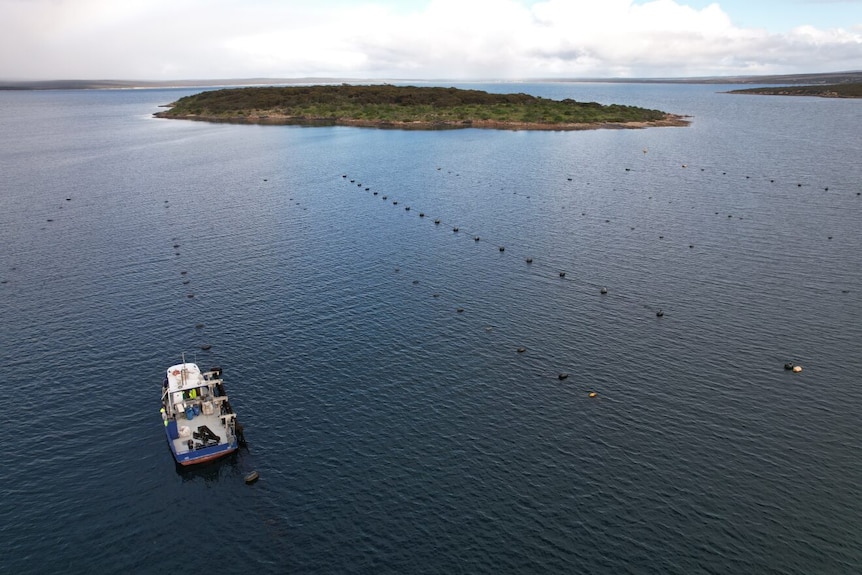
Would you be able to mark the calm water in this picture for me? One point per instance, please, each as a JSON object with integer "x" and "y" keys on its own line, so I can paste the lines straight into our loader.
{"x": 394, "y": 433}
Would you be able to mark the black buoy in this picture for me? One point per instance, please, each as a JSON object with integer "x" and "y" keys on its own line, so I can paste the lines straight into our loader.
{"x": 659, "y": 313}
{"x": 788, "y": 366}
{"x": 522, "y": 349}
{"x": 455, "y": 229}
{"x": 562, "y": 274}
{"x": 206, "y": 346}
{"x": 199, "y": 326}
{"x": 603, "y": 291}
{"x": 502, "y": 249}
{"x": 562, "y": 376}
{"x": 529, "y": 260}
{"x": 476, "y": 239}
{"x": 436, "y": 222}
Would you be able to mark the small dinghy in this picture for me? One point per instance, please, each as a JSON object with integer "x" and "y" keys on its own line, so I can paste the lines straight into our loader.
{"x": 200, "y": 424}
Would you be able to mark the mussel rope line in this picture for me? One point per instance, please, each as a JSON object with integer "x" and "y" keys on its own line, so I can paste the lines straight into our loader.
{"x": 568, "y": 277}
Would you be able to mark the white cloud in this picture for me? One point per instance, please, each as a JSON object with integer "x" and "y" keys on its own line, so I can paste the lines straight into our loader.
{"x": 157, "y": 39}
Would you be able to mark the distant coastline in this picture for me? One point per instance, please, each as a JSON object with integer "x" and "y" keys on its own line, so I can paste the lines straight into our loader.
{"x": 409, "y": 108}
{"x": 108, "y": 84}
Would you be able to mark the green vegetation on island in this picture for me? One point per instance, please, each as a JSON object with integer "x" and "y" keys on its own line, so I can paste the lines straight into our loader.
{"x": 848, "y": 90}
{"x": 408, "y": 107}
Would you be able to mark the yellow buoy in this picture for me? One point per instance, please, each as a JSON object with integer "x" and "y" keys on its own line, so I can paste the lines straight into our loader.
{"x": 593, "y": 394}
{"x": 797, "y": 368}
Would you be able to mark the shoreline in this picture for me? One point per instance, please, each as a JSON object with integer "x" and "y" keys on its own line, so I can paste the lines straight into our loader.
{"x": 670, "y": 120}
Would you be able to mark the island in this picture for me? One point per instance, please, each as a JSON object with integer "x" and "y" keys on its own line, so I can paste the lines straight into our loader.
{"x": 408, "y": 107}
{"x": 847, "y": 90}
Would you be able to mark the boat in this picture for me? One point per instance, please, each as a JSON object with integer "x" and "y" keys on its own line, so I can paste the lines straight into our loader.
{"x": 200, "y": 424}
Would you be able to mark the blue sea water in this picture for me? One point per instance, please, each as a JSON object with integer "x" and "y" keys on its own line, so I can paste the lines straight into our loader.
{"x": 372, "y": 354}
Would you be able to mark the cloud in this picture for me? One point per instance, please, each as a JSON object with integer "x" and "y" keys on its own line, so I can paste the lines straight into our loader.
{"x": 157, "y": 39}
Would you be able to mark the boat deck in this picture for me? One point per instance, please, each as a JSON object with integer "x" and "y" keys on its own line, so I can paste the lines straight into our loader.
{"x": 213, "y": 421}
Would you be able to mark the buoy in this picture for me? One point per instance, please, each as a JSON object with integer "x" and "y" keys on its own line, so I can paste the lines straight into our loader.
{"x": 788, "y": 366}
{"x": 562, "y": 274}
{"x": 436, "y": 222}
{"x": 455, "y": 229}
{"x": 562, "y": 376}
{"x": 476, "y": 239}
{"x": 593, "y": 394}
{"x": 604, "y": 290}
{"x": 522, "y": 349}
{"x": 797, "y": 368}
{"x": 252, "y": 477}
{"x": 460, "y": 310}
{"x": 206, "y": 346}
{"x": 529, "y": 260}
{"x": 502, "y": 249}
{"x": 199, "y": 325}
{"x": 659, "y": 313}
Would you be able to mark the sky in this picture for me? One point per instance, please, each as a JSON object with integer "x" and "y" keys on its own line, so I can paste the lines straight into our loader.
{"x": 425, "y": 39}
